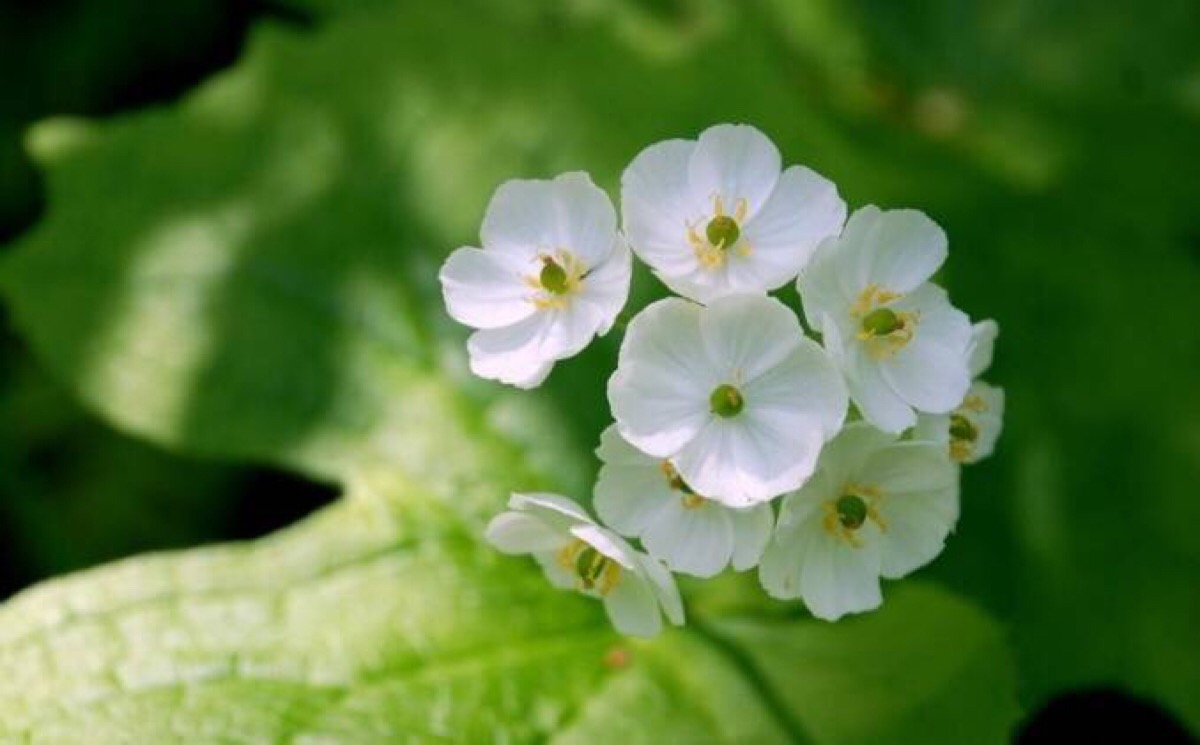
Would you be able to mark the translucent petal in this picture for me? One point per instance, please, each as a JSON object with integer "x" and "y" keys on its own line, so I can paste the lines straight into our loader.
{"x": 484, "y": 290}
{"x": 734, "y": 161}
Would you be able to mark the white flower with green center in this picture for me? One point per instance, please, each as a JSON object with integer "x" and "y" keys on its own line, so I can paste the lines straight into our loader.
{"x": 644, "y": 497}
{"x": 877, "y": 507}
{"x": 577, "y": 554}
{"x": 733, "y": 394}
{"x": 716, "y": 216}
{"x": 970, "y": 431}
{"x": 901, "y": 345}
{"x": 553, "y": 274}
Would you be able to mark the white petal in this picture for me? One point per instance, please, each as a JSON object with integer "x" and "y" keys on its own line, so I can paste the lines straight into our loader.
{"x": 831, "y": 576}
{"x": 615, "y": 450}
{"x": 845, "y": 456}
{"x": 878, "y": 403}
{"x": 516, "y": 223}
{"x": 629, "y": 498}
{"x": 779, "y": 568}
{"x": 749, "y": 458}
{"x": 633, "y": 608}
{"x": 919, "y": 484}
{"x": 803, "y": 210}
{"x": 696, "y": 541}
{"x": 899, "y": 251}
{"x": 908, "y": 467}
{"x": 657, "y": 206}
{"x": 517, "y": 533}
{"x": 662, "y": 583}
{"x": 987, "y": 414}
{"x": 932, "y": 428}
{"x": 659, "y": 393}
{"x": 983, "y": 341}
{"x": 806, "y": 385}
{"x": 751, "y": 532}
{"x": 484, "y": 290}
{"x": 554, "y": 508}
{"x": 928, "y": 375}
{"x": 734, "y": 161}
{"x": 704, "y": 284}
{"x": 564, "y": 578}
{"x": 584, "y": 218}
{"x": 631, "y": 488}
{"x": 937, "y": 318}
{"x": 918, "y": 523}
{"x": 798, "y": 506}
{"x": 523, "y": 353}
{"x": 836, "y": 578}
{"x": 747, "y": 335}
{"x": 821, "y": 289}
{"x": 568, "y": 212}
{"x": 608, "y": 543}
{"x": 606, "y": 287}
{"x": 848, "y": 258}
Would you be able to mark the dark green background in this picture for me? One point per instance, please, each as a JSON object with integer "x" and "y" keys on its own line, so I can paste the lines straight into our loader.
{"x": 1057, "y": 142}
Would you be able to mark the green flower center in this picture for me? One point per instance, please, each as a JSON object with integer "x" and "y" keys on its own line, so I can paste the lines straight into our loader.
{"x": 590, "y": 565}
{"x": 851, "y": 511}
{"x": 881, "y": 322}
{"x": 723, "y": 231}
{"x": 553, "y": 277}
{"x": 726, "y": 401}
{"x": 962, "y": 429}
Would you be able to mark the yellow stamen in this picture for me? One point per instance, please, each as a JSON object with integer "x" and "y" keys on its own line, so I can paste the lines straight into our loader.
{"x": 595, "y": 571}
{"x": 850, "y": 510}
{"x": 691, "y": 500}
{"x": 722, "y": 234}
{"x": 561, "y": 276}
{"x": 884, "y": 331}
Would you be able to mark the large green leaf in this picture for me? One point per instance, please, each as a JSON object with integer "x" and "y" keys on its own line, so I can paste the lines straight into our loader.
{"x": 251, "y": 274}
{"x": 385, "y": 620}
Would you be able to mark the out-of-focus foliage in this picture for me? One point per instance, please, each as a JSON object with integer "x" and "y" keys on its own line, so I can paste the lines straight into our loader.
{"x": 262, "y": 285}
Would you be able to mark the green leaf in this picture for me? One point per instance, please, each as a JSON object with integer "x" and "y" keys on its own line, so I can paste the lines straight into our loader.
{"x": 382, "y": 619}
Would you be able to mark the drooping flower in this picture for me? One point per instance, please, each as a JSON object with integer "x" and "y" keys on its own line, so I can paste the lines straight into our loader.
{"x": 733, "y": 394}
{"x": 553, "y": 273}
{"x": 970, "y": 431}
{"x": 577, "y": 554}
{"x": 877, "y": 507}
{"x": 901, "y": 345}
{"x": 716, "y": 216}
{"x": 644, "y": 497}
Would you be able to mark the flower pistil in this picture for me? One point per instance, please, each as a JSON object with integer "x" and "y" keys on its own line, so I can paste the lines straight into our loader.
{"x": 723, "y": 233}
{"x": 850, "y": 511}
{"x": 595, "y": 571}
{"x": 884, "y": 330}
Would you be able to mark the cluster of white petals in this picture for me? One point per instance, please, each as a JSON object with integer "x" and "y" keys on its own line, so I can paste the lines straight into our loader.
{"x": 734, "y": 444}
{"x": 553, "y": 273}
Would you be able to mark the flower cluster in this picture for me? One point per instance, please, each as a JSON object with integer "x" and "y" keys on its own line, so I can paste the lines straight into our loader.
{"x": 824, "y": 454}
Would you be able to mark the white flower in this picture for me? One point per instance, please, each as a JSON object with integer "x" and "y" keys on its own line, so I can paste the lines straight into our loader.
{"x": 733, "y": 394}
{"x": 577, "y": 554}
{"x": 901, "y": 345}
{"x": 645, "y": 497}
{"x": 876, "y": 507}
{"x": 971, "y": 430}
{"x": 715, "y": 216}
{"x": 552, "y": 274}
